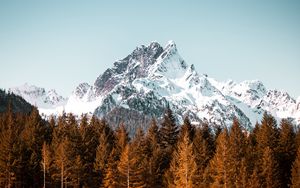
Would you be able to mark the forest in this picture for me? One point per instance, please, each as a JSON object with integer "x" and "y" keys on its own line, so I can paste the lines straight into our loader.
{"x": 86, "y": 152}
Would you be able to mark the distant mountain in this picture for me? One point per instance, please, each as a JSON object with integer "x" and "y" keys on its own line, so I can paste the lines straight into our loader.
{"x": 45, "y": 100}
{"x": 17, "y": 103}
{"x": 153, "y": 77}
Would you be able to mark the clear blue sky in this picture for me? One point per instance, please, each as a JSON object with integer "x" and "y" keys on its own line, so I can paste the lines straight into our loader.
{"x": 58, "y": 44}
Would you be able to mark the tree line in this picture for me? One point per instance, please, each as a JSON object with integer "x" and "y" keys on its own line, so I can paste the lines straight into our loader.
{"x": 67, "y": 152}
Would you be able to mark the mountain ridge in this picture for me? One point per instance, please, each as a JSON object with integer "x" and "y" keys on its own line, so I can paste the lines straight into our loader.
{"x": 153, "y": 77}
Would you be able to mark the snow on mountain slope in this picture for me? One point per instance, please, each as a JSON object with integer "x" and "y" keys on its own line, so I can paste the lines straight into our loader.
{"x": 253, "y": 98}
{"x": 83, "y": 100}
{"x": 152, "y": 78}
{"x": 279, "y": 103}
{"x": 39, "y": 96}
{"x": 249, "y": 91}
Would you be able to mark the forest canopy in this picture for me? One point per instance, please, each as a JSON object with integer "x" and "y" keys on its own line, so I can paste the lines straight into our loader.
{"x": 86, "y": 152}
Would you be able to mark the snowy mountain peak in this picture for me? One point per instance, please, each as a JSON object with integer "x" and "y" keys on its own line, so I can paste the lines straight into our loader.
{"x": 54, "y": 99}
{"x": 170, "y": 46}
{"x": 153, "y": 77}
{"x": 282, "y": 96}
{"x": 154, "y": 46}
{"x": 277, "y": 100}
{"x": 39, "y": 96}
{"x": 29, "y": 90}
{"x": 81, "y": 89}
{"x": 169, "y": 64}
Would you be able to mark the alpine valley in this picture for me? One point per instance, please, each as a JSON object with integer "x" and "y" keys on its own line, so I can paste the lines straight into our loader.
{"x": 152, "y": 78}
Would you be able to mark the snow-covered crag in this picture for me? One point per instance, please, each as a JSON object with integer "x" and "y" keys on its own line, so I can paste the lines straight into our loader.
{"x": 153, "y": 77}
{"x": 46, "y": 101}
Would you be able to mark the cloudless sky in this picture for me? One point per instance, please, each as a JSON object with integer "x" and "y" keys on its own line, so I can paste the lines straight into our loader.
{"x": 60, "y": 43}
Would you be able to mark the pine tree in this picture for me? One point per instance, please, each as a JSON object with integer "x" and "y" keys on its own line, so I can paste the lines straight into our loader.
{"x": 64, "y": 162}
{"x": 130, "y": 171}
{"x": 255, "y": 179}
{"x": 88, "y": 143}
{"x": 10, "y": 145}
{"x": 77, "y": 172}
{"x": 253, "y": 154}
{"x": 102, "y": 154}
{"x": 268, "y": 133}
{"x": 270, "y": 168}
{"x": 137, "y": 157}
{"x": 46, "y": 160}
{"x": 236, "y": 153}
{"x": 153, "y": 156}
{"x": 267, "y": 136}
{"x": 203, "y": 150}
{"x": 219, "y": 163}
{"x": 33, "y": 136}
{"x": 287, "y": 151}
{"x": 183, "y": 166}
{"x": 243, "y": 179}
{"x": 187, "y": 128}
{"x": 169, "y": 130}
{"x": 112, "y": 176}
{"x": 153, "y": 133}
{"x": 297, "y": 139}
{"x": 296, "y": 171}
{"x": 168, "y": 139}
{"x": 122, "y": 137}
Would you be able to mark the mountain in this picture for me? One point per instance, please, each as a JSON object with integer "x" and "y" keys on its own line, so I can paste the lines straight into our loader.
{"x": 153, "y": 77}
{"x": 47, "y": 101}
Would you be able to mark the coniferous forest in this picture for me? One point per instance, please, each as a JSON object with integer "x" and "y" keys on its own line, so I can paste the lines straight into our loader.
{"x": 72, "y": 152}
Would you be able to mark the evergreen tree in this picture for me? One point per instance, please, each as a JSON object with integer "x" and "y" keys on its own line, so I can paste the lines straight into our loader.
{"x": 33, "y": 136}
{"x": 169, "y": 130}
{"x": 236, "y": 153}
{"x": 183, "y": 166}
{"x": 46, "y": 160}
{"x": 112, "y": 176}
{"x": 253, "y": 154}
{"x": 88, "y": 143}
{"x": 203, "y": 150}
{"x": 219, "y": 163}
{"x": 287, "y": 151}
{"x": 296, "y": 171}
{"x": 77, "y": 172}
{"x": 10, "y": 147}
{"x": 106, "y": 143}
{"x": 270, "y": 168}
{"x": 130, "y": 170}
{"x": 187, "y": 128}
{"x": 255, "y": 179}
{"x": 153, "y": 156}
{"x": 268, "y": 134}
{"x": 153, "y": 134}
{"x": 297, "y": 139}
{"x": 243, "y": 179}
{"x": 64, "y": 162}
{"x": 168, "y": 139}
{"x": 122, "y": 137}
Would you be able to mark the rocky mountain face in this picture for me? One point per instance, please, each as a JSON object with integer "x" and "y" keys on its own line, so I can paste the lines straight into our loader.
{"x": 153, "y": 77}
